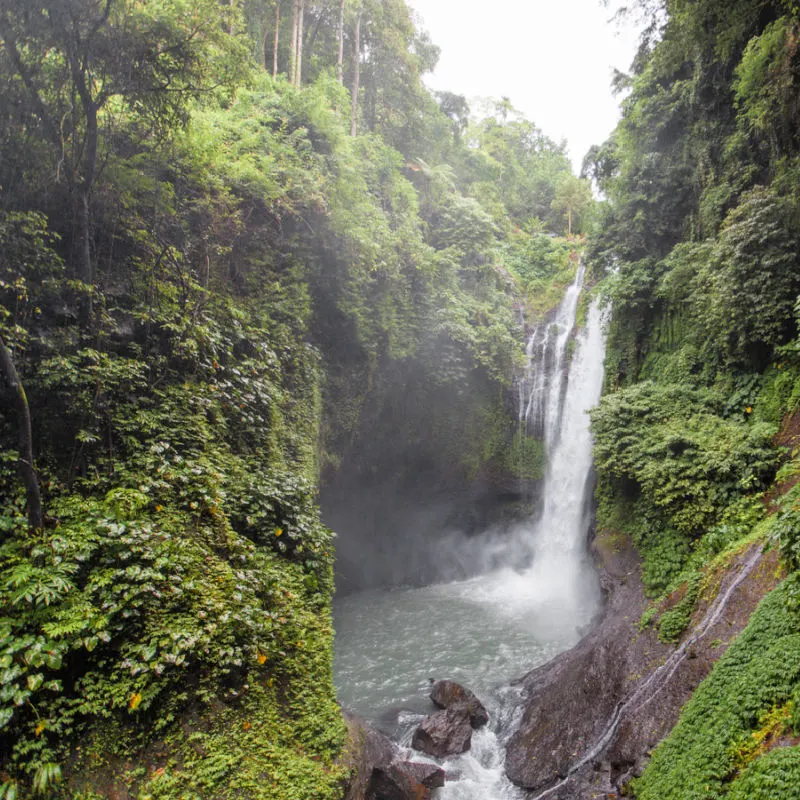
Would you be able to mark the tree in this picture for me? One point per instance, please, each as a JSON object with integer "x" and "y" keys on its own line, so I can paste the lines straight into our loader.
{"x": 455, "y": 108}
{"x": 525, "y": 165}
{"x": 394, "y": 58}
{"x": 74, "y": 57}
{"x": 573, "y": 196}
{"x": 356, "y": 74}
{"x": 276, "y": 40}
{"x": 25, "y": 462}
{"x": 293, "y": 41}
{"x": 340, "y": 57}
{"x": 300, "y": 27}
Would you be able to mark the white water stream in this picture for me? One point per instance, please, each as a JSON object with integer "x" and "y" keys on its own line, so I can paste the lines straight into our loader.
{"x": 486, "y": 631}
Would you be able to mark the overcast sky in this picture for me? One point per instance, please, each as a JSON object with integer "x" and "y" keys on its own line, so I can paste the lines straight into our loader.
{"x": 553, "y": 59}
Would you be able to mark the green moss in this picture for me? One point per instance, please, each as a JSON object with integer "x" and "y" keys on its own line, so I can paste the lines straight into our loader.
{"x": 647, "y": 618}
{"x": 672, "y": 623}
{"x": 527, "y": 458}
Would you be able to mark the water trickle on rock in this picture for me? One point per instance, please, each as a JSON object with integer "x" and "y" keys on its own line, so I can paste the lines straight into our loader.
{"x": 490, "y": 629}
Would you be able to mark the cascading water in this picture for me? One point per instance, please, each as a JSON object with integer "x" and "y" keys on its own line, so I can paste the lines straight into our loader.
{"x": 489, "y": 629}
{"x": 544, "y": 378}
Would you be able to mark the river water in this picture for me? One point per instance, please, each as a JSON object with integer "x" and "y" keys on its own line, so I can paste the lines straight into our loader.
{"x": 487, "y": 630}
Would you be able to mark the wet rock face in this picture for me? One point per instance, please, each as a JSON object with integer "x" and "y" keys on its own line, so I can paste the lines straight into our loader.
{"x": 569, "y": 701}
{"x": 444, "y": 733}
{"x": 449, "y": 694}
{"x": 429, "y": 775}
{"x": 405, "y": 780}
{"x": 592, "y": 715}
{"x": 378, "y": 771}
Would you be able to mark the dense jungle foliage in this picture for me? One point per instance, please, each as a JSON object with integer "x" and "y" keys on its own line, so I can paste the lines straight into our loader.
{"x": 229, "y": 233}
{"x": 698, "y": 249}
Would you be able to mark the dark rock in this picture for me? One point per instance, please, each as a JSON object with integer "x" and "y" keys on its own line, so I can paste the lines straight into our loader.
{"x": 366, "y": 751}
{"x": 377, "y": 771}
{"x": 394, "y": 783}
{"x": 447, "y": 694}
{"x": 444, "y": 733}
{"x": 428, "y": 775}
{"x": 565, "y": 742}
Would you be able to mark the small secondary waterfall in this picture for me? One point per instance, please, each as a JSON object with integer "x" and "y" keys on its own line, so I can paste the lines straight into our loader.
{"x": 489, "y": 629}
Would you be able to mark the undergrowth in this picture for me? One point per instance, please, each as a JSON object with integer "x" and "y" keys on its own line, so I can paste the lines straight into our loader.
{"x": 759, "y": 672}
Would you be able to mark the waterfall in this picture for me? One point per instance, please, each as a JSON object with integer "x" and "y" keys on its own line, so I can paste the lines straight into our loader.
{"x": 565, "y": 583}
{"x": 543, "y": 382}
{"x": 558, "y": 588}
{"x": 535, "y": 600}
{"x": 558, "y": 594}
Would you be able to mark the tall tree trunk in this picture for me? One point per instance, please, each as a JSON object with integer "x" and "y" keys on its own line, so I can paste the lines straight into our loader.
{"x": 293, "y": 45}
{"x": 25, "y": 438}
{"x": 264, "y": 38}
{"x": 277, "y": 38}
{"x": 300, "y": 23}
{"x": 340, "y": 60}
{"x": 79, "y": 69}
{"x": 86, "y": 267}
{"x": 356, "y": 76}
{"x": 311, "y": 36}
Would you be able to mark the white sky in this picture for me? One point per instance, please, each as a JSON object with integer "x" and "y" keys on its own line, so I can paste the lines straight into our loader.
{"x": 553, "y": 59}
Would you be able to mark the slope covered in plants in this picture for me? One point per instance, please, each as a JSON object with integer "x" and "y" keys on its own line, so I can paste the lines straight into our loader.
{"x": 699, "y": 249}
{"x": 213, "y": 278}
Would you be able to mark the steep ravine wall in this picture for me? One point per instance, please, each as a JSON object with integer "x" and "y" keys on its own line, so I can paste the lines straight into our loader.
{"x": 592, "y": 715}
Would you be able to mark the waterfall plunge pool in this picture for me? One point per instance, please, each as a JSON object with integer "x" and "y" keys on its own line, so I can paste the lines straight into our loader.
{"x": 481, "y": 632}
{"x": 487, "y": 630}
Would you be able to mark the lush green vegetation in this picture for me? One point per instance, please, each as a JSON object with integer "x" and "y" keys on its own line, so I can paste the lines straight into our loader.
{"x": 215, "y": 278}
{"x": 697, "y": 246}
{"x": 718, "y": 747}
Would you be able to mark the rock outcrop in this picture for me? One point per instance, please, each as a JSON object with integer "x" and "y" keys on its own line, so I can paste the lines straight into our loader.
{"x": 449, "y": 732}
{"x": 449, "y": 694}
{"x": 444, "y": 733}
{"x": 593, "y": 713}
{"x": 378, "y": 770}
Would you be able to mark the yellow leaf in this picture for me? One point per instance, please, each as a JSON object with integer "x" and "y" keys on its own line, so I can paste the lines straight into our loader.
{"x": 134, "y": 702}
{"x": 261, "y": 658}
{"x": 247, "y": 725}
{"x": 40, "y": 727}
{"x": 159, "y": 508}
{"x": 278, "y": 531}
{"x": 749, "y": 409}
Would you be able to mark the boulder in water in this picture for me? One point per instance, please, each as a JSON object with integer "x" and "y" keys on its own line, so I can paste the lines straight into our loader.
{"x": 449, "y": 694}
{"x": 404, "y": 780}
{"x": 377, "y": 771}
{"x": 429, "y": 775}
{"x": 444, "y": 733}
